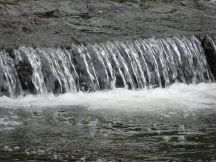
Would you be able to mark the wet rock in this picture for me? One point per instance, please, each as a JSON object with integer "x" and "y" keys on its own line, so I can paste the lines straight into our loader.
{"x": 51, "y": 82}
{"x": 56, "y": 23}
{"x": 24, "y": 71}
{"x": 74, "y": 7}
{"x": 209, "y": 45}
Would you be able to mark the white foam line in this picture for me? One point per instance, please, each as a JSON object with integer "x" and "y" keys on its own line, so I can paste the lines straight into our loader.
{"x": 176, "y": 96}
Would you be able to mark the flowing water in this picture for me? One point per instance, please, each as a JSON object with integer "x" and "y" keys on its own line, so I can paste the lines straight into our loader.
{"x": 140, "y": 100}
{"x": 132, "y": 64}
{"x": 173, "y": 124}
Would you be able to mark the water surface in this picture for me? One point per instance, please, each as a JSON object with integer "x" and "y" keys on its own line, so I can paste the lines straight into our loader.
{"x": 173, "y": 124}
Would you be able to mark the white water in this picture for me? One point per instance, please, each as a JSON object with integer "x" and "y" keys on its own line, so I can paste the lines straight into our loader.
{"x": 134, "y": 64}
{"x": 176, "y": 96}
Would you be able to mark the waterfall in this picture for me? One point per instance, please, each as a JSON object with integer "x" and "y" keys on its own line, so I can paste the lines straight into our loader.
{"x": 131, "y": 64}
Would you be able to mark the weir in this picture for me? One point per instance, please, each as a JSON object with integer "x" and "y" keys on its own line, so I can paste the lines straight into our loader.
{"x": 132, "y": 64}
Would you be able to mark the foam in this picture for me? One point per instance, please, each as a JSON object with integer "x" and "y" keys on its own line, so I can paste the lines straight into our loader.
{"x": 176, "y": 96}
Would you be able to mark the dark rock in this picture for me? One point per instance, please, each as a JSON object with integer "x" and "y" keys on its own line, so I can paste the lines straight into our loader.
{"x": 9, "y": 78}
{"x": 55, "y": 23}
{"x": 84, "y": 78}
{"x": 209, "y": 45}
{"x": 25, "y": 72}
{"x": 51, "y": 82}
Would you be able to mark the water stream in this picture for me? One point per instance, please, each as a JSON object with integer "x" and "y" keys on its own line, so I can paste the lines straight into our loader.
{"x": 135, "y": 100}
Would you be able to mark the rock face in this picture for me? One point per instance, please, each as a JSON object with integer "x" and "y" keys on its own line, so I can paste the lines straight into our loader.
{"x": 63, "y": 22}
{"x": 209, "y": 45}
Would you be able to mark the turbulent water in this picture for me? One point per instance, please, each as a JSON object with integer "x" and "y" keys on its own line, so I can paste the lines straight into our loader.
{"x": 176, "y": 123}
{"x": 178, "y": 96}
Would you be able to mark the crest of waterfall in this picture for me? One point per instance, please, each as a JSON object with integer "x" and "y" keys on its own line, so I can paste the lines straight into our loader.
{"x": 132, "y": 64}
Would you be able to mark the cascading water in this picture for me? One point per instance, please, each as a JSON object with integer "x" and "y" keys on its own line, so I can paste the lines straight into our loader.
{"x": 132, "y": 64}
{"x": 150, "y": 124}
